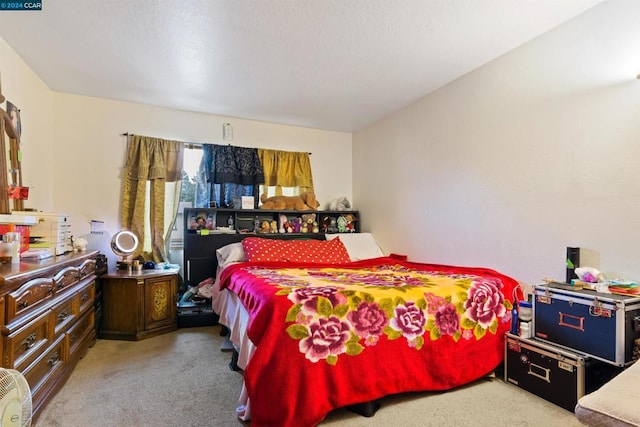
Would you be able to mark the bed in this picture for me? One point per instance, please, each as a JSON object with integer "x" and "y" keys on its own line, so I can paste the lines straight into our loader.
{"x": 320, "y": 325}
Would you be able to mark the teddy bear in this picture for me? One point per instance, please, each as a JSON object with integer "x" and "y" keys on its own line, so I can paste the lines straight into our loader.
{"x": 304, "y": 202}
{"x": 309, "y": 223}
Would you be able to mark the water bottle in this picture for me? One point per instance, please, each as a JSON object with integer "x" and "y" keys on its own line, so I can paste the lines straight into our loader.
{"x": 514, "y": 320}
{"x": 230, "y": 222}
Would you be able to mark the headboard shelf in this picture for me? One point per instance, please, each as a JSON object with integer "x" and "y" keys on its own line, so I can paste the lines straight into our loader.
{"x": 208, "y": 229}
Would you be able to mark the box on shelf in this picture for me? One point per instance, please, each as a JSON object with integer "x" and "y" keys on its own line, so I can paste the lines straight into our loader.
{"x": 600, "y": 325}
{"x": 244, "y": 202}
{"x": 553, "y": 373}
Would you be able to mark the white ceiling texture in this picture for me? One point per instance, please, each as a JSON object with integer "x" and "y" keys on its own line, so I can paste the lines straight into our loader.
{"x": 328, "y": 64}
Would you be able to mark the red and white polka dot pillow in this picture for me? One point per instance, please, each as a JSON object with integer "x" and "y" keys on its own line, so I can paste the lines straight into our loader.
{"x": 309, "y": 251}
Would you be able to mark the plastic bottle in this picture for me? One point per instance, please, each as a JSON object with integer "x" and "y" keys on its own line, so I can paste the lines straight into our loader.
{"x": 230, "y": 222}
{"x": 525, "y": 311}
{"x": 525, "y": 329}
{"x": 514, "y": 321}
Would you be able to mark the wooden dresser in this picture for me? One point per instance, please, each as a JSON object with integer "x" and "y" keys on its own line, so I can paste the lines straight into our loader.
{"x": 47, "y": 319}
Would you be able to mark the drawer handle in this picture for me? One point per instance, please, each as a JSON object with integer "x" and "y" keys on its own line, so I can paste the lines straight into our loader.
{"x": 23, "y": 304}
{"x": 72, "y": 338}
{"x": 55, "y": 357}
{"x": 63, "y": 315}
{"x": 50, "y": 291}
{"x": 84, "y": 297}
{"x": 29, "y": 341}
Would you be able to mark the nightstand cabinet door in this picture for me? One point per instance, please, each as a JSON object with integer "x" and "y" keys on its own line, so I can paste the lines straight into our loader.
{"x": 138, "y": 305}
{"x": 159, "y": 302}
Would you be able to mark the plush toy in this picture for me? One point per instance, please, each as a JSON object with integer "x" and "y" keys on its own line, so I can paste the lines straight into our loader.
{"x": 285, "y": 225}
{"x": 326, "y": 223}
{"x": 264, "y": 227}
{"x": 351, "y": 227}
{"x": 340, "y": 204}
{"x": 309, "y": 223}
{"x": 304, "y": 202}
{"x": 342, "y": 224}
{"x": 296, "y": 224}
{"x": 273, "y": 227}
{"x": 282, "y": 219}
{"x": 333, "y": 226}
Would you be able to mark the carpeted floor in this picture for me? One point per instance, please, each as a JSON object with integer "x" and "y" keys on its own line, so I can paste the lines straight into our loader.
{"x": 183, "y": 379}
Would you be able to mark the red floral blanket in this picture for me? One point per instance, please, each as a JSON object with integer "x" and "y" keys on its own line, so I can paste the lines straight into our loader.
{"x": 332, "y": 336}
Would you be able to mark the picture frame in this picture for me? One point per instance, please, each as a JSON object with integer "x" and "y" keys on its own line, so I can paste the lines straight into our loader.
{"x": 199, "y": 220}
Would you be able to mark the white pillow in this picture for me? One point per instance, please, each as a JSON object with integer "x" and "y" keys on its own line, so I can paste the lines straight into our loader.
{"x": 359, "y": 245}
{"x": 233, "y": 252}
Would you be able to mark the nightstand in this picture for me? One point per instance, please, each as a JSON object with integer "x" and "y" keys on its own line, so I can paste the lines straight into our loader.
{"x": 138, "y": 305}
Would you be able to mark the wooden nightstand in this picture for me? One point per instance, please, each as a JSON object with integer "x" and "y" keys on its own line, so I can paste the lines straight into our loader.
{"x": 138, "y": 305}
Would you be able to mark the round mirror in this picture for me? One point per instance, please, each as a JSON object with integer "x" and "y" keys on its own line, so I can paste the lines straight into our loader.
{"x": 124, "y": 243}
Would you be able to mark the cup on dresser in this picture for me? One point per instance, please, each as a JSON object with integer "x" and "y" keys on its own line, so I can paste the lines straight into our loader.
{"x": 13, "y": 238}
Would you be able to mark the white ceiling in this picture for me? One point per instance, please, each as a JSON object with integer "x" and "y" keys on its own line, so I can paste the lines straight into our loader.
{"x": 328, "y": 64}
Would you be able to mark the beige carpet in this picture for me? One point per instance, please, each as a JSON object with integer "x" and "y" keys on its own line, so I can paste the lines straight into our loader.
{"x": 183, "y": 379}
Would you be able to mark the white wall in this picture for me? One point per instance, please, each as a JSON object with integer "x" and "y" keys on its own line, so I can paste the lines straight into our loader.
{"x": 507, "y": 166}
{"x": 23, "y": 87}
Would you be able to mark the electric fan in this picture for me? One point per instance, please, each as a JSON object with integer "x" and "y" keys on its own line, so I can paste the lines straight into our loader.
{"x": 15, "y": 399}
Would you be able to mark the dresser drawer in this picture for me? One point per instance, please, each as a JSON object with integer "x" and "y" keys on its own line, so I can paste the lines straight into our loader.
{"x": 23, "y": 345}
{"x": 87, "y": 296}
{"x": 44, "y": 367}
{"x": 79, "y": 331}
{"x": 67, "y": 277}
{"x": 64, "y": 313}
{"x": 29, "y": 297}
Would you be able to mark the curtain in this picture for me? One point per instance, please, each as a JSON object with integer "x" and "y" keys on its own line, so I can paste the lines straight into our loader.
{"x": 285, "y": 169}
{"x": 152, "y": 178}
{"x": 227, "y": 172}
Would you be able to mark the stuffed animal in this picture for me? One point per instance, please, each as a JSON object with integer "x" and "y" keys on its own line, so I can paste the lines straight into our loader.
{"x": 340, "y": 204}
{"x": 273, "y": 227}
{"x": 304, "y": 202}
{"x": 296, "y": 224}
{"x": 265, "y": 227}
{"x": 285, "y": 225}
{"x": 309, "y": 223}
{"x": 351, "y": 227}
{"x": 333, "y": 227}
{"x": 326, "y": 223}
{"x": 342, "y": 224}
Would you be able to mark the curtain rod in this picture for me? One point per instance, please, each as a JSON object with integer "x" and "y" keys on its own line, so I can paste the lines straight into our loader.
{"x": 190, "y": 144}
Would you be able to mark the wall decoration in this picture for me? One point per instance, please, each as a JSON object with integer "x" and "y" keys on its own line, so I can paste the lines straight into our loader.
{"x": 14, "y": 113}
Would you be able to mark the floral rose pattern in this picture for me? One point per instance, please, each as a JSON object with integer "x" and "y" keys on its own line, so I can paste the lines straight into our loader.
{"x": 340, "y": 311}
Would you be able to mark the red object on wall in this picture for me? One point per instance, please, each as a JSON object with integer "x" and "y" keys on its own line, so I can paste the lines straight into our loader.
{"x": 24, "y": 234}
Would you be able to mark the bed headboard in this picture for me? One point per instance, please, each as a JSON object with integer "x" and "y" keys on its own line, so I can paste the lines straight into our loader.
{"x": 200, "y": 261}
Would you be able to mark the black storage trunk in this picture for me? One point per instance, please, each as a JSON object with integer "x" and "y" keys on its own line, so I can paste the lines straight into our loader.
{"x": 553, "y": 373}
{"x": 192, "y": 314}
{"x": 601, "y": 325}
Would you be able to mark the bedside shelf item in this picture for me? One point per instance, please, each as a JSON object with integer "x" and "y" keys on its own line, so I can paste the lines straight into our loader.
{"x": 555, "y": 374}
{"x": 600, "y": 325}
